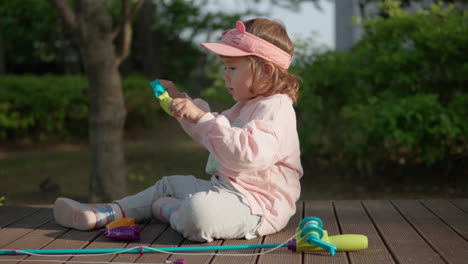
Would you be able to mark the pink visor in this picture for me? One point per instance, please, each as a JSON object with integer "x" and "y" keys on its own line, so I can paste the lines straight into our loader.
{"x": 237, "y": 42}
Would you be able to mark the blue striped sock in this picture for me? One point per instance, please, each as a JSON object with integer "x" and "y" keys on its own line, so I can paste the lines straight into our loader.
{"x": 106, "y": 214}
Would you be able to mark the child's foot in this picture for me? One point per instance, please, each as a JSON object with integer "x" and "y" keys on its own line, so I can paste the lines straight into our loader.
{"x": 164, "y": 207}
{"x": 80, "y": 216}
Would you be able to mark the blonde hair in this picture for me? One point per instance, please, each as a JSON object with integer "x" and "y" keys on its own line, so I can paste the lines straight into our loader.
{"x": 281, "y": 81}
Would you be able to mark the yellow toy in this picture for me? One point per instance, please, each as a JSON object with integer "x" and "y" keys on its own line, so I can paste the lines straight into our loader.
{"x": 162, "y": 95}
{"x": 310, "y": 237}
{"x": 126, "y": 221}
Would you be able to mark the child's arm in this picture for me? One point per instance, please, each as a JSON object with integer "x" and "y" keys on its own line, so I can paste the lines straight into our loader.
{"x": 268, "y": 137}
{"x": 255, "y": 146}
{"x": 164, "y": 90}
{"x": 185, "y": 108}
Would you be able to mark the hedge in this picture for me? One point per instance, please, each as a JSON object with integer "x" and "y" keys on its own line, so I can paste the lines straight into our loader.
{"x": 56, "y": 107}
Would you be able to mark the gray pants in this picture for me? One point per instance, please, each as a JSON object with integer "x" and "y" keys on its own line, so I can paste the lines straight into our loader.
{"x": 209, "y": 210}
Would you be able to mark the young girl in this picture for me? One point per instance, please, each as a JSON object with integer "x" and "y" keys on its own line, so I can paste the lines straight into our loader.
{"x": 254, "y": 149}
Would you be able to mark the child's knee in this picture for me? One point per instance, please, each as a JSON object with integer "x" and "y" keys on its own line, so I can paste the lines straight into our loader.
{"x": 202, "y": 210}
{"x": 195, "y": 219}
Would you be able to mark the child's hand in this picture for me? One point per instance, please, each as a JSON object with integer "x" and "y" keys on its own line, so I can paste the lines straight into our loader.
{"x": 171, "y": 89}
{"x": 185, "y": 108}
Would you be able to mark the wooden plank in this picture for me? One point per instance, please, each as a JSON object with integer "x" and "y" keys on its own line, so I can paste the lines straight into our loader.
{"x": 71, "y": 239}
{"x": 461, "y": 203}
{"x": 169, "y": 238}
{"x": 450, "y": 214}
{"x": 402, "y": 240}
{"x": 432, "y": 231}
{"x": 100, "y": 242}
{"x": 202, "y": 257}
{"x": 444, "y": 240}
{"x": 74, "y": 239}
{"x": 353, "y": 219}
{"x": 24, "y": 226}
{"x": 11, "y": 214}
{"x": 149, "y": 233}
{"x": 326, "y": 212}
{"x": 37, "y": 237}
{"x": 283, "y": 255}
{"x": 246, "y": 259}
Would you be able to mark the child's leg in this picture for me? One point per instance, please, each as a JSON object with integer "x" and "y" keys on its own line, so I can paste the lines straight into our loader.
{"x": 216, "y": 214}
{"x": 139, "y": 206}
{"x": 80, "y": 216}
{"x": 73, "y": 214}
{"x": 165, "y": 207}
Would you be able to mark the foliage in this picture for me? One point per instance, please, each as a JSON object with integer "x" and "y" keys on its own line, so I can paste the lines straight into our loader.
{"x": 178, "y": 27}
{"x": 2, "y": 200}
{"x": 32, "y": 36}
{"x": 400, "y": 95}
{"x": 35, "y": 41}
{"x": 142, "y": 107}
{"x": 53, "y": 107}
{"x": 41, "y": 106}
{"x": 406, "y": 129}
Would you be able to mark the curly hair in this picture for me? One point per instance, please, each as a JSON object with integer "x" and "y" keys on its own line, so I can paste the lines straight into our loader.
{"x": 281, "y": 81}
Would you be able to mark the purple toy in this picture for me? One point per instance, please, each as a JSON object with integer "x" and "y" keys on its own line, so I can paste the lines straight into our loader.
{"x": 122, "y": 232}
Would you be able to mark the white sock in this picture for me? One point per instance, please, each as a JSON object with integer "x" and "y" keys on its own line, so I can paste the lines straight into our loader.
{"x": 70, "y": 213}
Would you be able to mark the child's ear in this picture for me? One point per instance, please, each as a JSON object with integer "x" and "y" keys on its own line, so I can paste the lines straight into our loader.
{"x": 267, "y": 71}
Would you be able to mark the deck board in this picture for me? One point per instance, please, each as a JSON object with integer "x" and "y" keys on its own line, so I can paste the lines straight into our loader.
{"x": 399, "y": 231}
{"x": 462, "y": 204}
{"x": 167, "y": 238}
{"x": 354, "y": 219}
{"x": 149, "y": 232}
{"x": 11, "y": 214}
{"x": 440, "y": 236}
{"x": 24, "y": 226}
{"x": 403, "y": 241}
{"x": 450, "y": 214}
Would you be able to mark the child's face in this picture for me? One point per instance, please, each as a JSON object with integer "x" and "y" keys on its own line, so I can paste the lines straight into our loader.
{"x": 238, "y": 77}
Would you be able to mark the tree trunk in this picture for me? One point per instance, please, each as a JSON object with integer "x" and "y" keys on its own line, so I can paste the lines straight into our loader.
{"x": 145, "y": 40}
{"x": 107, "y": 112}
{"x": 2, "y": 54}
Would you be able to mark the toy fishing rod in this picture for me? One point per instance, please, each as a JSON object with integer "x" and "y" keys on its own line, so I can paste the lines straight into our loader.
{"x": 309, "y": 237}
{"x": 162, "y": 95}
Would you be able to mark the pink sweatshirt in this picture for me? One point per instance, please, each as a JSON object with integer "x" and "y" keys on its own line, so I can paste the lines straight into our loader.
{"x": 254, "y": 147}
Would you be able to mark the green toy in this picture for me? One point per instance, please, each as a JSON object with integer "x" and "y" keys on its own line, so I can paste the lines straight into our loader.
{"x": 311, "y": 237}
{"x": 162, "y": 95}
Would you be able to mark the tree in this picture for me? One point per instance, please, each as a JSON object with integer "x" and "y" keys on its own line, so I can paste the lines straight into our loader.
{"x": 363, "y": 4}
{"x": 400, "y": 95}
{"x": 2, "y": 55}
{"x": 146, "y": 39}
{"x": 90, "y": 24}
{"x": 32, "y": 38}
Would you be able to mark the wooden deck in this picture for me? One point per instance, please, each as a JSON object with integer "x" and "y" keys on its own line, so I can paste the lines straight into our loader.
{"x": 400, "y": 231}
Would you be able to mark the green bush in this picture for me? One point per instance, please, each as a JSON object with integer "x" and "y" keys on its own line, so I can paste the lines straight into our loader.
{"x": 399, "y": 95}
{"x": 410, "y": 129}
{"x": 52, "y": 107}
{"x": 41, "y": 106}
{"x": 142, "y": 107}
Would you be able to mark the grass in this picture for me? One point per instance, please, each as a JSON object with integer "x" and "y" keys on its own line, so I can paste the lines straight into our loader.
{"x": 159, "y": 152}
{"x": 150, "y": 155}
